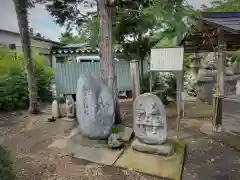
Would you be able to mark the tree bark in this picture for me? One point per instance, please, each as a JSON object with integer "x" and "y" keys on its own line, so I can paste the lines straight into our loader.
{"x": 21, "y": 11}
{"x": 107, "y": 63}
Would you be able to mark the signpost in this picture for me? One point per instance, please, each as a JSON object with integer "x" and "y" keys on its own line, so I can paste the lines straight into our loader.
{"x": 169, "y": 60}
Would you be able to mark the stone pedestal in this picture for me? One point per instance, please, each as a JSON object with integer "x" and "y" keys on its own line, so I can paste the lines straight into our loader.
{"x": 207, "y": 86}
{"x": 165, "y": 149}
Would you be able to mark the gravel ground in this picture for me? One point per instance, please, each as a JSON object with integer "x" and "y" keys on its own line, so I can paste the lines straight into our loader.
{"x": 29, "y": 137}
{"x": 209, "y": 160}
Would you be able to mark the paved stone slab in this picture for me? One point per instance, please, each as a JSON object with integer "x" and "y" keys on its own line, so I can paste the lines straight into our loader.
{"x": 102, "y": 155}
{"x": 83, "y": 148}
{"x": 223, "y": 137}
{"x": 162, "y": 149}
{"x": 167, "y": 167}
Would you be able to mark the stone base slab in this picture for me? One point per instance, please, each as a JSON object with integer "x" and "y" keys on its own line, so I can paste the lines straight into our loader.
{"x": 166, "y": 149}
{"x": 68, "y": 119}
{"x": 80, "y": 147}
{"x": 169, "y": 167}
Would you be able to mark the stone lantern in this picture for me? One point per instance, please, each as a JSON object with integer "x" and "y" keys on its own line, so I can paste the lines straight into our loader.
{"x": 195, "y": 64}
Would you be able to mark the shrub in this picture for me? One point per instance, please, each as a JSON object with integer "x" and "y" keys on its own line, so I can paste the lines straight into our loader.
{"x": 6, "y": 165}
{"x": 160, "y": 81}
{"x": 13, "y": 81}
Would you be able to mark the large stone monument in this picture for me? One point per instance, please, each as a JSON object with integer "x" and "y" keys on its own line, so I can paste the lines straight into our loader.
{"x": 150, "y": 126}
{"x": 94, "y": 107}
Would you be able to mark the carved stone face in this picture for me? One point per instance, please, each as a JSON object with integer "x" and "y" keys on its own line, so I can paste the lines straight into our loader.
{"x": 150, "y": 119}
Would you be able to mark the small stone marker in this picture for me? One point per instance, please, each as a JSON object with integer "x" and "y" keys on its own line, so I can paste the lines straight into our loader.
{"x": 70, "y": 109}
{"x": 55, "y": 109}
{"x": 115, "y": 141}
{"x": 94, "y": 107}
{"x": 150, "y": 125}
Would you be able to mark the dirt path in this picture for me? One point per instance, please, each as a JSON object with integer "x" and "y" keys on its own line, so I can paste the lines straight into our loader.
{"x": 29, "y": 137}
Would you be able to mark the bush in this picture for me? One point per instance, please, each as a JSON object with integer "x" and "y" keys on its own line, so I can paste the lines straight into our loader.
{"x": 13, "y": 81}
{"x": 6, "y": 165}
{"x": 160, "y": 81}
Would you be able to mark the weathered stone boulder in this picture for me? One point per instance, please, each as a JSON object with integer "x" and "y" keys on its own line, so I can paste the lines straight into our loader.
{"x": 94, "y": 107}
{"x": 149, "y": 117}
{"x": 115, "y": 141}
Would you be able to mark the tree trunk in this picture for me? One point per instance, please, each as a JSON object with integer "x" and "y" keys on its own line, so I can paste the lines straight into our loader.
{"x": 107, "y": 63}
{"x": 21, "y": 11}
{"x": 142, "y": 72}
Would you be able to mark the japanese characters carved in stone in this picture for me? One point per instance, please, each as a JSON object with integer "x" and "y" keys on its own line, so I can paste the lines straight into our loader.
{"x": 94, "y": 107}
{"x": 149, "y": 115}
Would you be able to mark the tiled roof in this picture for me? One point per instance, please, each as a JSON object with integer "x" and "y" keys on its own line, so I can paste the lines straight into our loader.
{"x": 228, "y": 21}
{"x": 79, "y": 49}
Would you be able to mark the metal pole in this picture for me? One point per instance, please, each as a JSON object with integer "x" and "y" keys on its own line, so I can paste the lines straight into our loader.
{"x": 150, "y": 82}
{"x": 178, "y": 98}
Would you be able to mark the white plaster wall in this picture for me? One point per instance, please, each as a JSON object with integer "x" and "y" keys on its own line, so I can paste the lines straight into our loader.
{"x": 37, "y": 45}
{"x": 9, "y": 38}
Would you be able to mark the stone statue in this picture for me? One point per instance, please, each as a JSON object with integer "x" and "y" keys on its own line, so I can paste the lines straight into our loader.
{"x": 94, "y": 107}
{"x": 55, "y": 109}
{"x": 149, "y": 116}
{"x": 70, "y": 107}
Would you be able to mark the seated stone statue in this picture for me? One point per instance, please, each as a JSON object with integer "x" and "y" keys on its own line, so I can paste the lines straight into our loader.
{"x": 94, "y": 107}
{"x": 70, "y": 107}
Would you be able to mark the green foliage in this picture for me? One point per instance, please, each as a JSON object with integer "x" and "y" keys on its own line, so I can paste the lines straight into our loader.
{"x": 6, "y": 165}
{"x": 171, "y": 84}
{"x": 137, "y": 26}
{"x": 68, "y": 37}
{"x": 13, "y": 81}
{"x": 164, "y": 84}
{"x": 223, "y": 6}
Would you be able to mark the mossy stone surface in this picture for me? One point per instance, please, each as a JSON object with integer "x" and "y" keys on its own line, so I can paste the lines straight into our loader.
{"x": 166, "y": 167}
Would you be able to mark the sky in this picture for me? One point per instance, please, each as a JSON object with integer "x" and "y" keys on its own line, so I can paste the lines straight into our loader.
{"x": 41, "y": 21}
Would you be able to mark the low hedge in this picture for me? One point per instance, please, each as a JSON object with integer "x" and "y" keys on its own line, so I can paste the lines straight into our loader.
{"x": 13, "y": 81}
{"x": 6, "y": 165}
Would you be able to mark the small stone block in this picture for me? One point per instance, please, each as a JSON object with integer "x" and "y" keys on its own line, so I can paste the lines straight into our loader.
{"x": 165, "y": 149}
{"x": 125, "y": 134}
